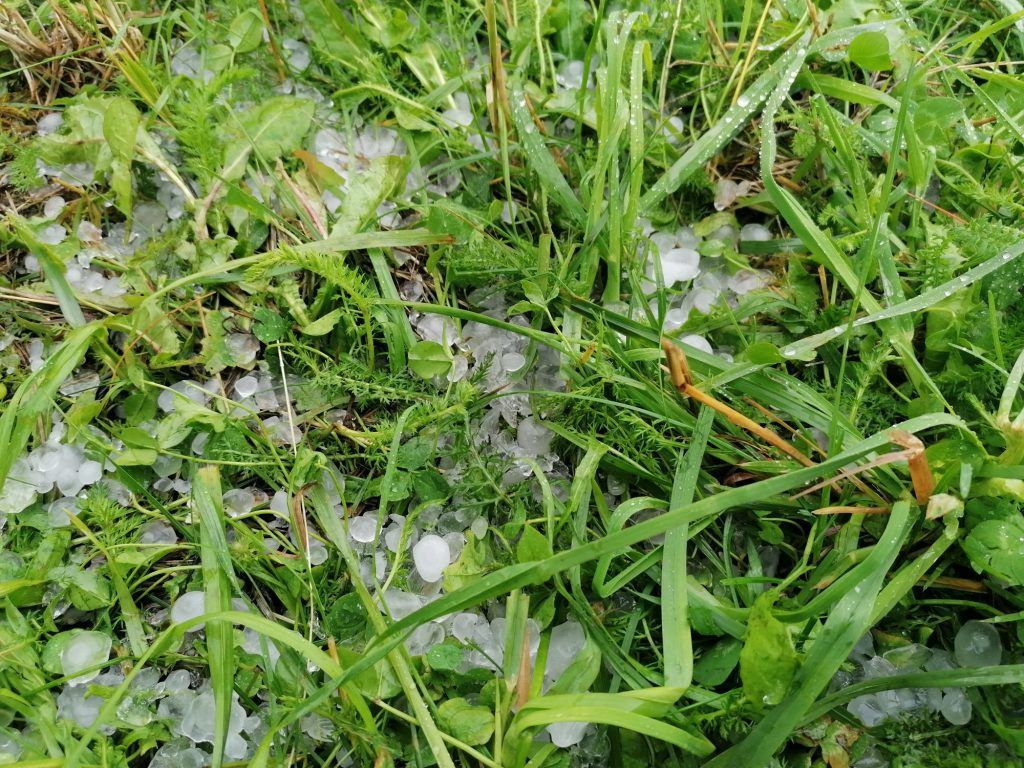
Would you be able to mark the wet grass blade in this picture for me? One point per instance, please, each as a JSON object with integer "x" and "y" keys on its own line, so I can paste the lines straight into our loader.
{"x": 34, "y": 398}
{"x": 396, "y": 656}
{"x": 539, "y": 158}
{"x": 512, "y": 577}
{"x": 625, "y": 710}
{"x": 718, "y": 135}
{"x": 53, "y": 269}
{"x": 1007, "y": 674}
{"x": 218, "y": 577}
{"x": 678, "y": 646}
{"x": 846, "y": 624}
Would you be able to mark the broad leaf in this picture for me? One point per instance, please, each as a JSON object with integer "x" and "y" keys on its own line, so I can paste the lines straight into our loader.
{"x": 768, "y": 660}
{"x": 269, "y": 130}
{"x": 996, "y": 547}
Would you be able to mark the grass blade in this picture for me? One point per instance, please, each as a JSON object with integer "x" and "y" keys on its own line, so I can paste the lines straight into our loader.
{"x": 218, "y": 577}
{"x": 34, "y": 397}
{"x": 516, "y": 576}
{"x": 53, "y": 268}
{"x": 716, "y": 137}
{"x": 678, "y": 647}
{"x": 539, "y": 158}
{"x": 846, "y": 624}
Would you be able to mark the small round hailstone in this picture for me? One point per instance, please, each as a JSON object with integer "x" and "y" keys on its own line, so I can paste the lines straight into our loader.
{"x": 243, "y": 347}
{"x": 401, "y": 604}
{"x": 978, "y": 644}
{"x": 533, "y": 437}
{"x": 61, "y": 510}
{"x": 675, "y": 318}
{"x": 49, "y": 123}
{"x": 512, "y": 362}
{"x": 52, "y": 234}
{"x": 431, "y": 556}
{"x": 363, "y": 528}
{"x": 188, "y": 606}
{"x": 89, "y": 233}
{"x": 246, "y": 387}
{"x": 53, "y": 207}
{"x": 297, "y": 53}
{"x": 90, "y": 472}
{"x": 158, "y": 532}
{"x": 680, "y": 264}
{"x": 567, "y": 734}
{"x": 84, "y": 650}
{"x": 697, "y": 342}
{"x": 570, "y": 76}
{"x": 755, "y": 233}
{"x": 238, "y": 501}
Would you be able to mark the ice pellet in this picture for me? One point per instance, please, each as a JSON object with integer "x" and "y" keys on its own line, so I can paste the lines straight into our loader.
{"x": 697, "y": 342}
{"x": 53, "y": 207}
{"x": 533, "y": 437}
{"x": 567, "y": 640}
{"x": 956, "y": 707}
{"x": 49, "y": 123}
{"x": 243, "y": 347}
{"x": 679, "y": 264}
{"x": 755, "y": 233}
{"x": 239, "y": 501}
{"x": 567, "y": 734}
{"x": 363, "y": 528}
{"x": 246, "y": 387}
{"x": 52, "y": 234}
{"x": 401, "y": 604}
{"x": 84, "y": 650}
{"x": 188, "y": 606}
{"x": 61, "y": 510}
{"x": 977, "y": 644}
{"x": 431, "y": 556}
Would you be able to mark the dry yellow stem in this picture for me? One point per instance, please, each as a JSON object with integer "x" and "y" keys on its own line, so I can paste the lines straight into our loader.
{"x": 523, "y": 675}
{"x": 843, "y": 509}
{"x": 920, "y": 472}
{"x": 682, "y": 380}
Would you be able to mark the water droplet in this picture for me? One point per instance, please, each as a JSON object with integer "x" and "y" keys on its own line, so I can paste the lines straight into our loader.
{"x": 742, "y": 101}
{"x": 1006, "y": 256}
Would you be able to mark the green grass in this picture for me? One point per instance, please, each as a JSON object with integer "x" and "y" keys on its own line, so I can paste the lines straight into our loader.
{"x": 433, "y": 256}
